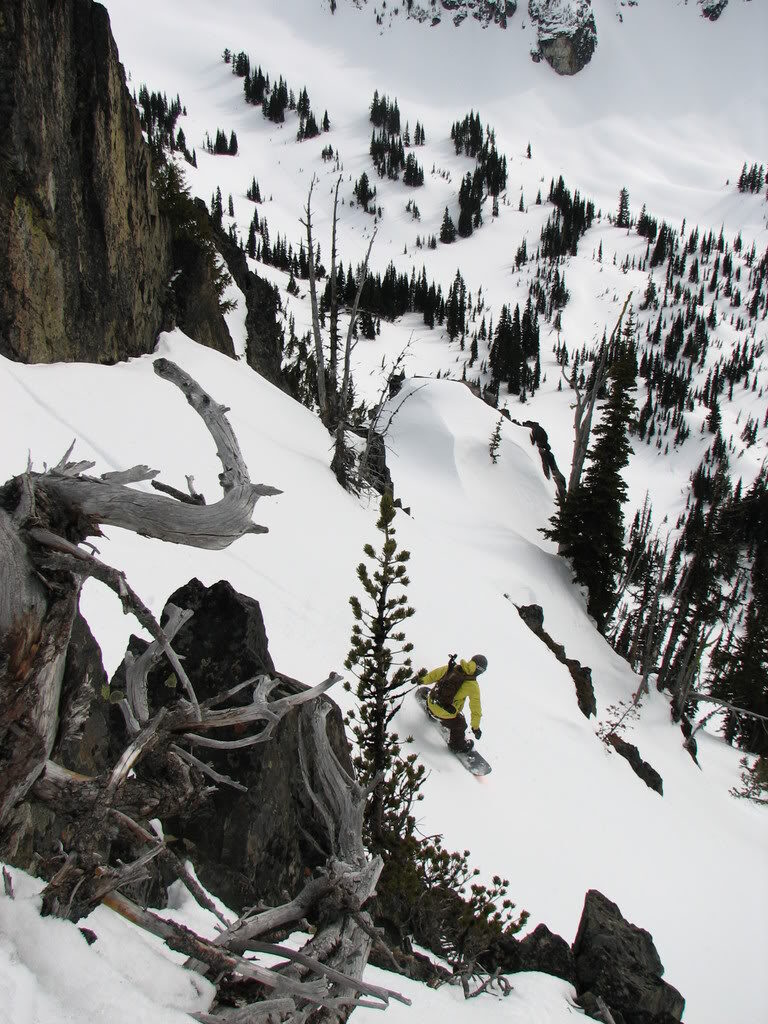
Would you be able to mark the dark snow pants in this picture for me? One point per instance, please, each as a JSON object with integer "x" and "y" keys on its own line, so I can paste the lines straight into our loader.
{"x": 458, "y": 730}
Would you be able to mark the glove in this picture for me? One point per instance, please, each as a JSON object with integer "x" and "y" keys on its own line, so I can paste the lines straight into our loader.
{"x": 478, "y": 733}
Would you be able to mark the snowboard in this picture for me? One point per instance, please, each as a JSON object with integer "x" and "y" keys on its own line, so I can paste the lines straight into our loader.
{"x": 472, "y": 760}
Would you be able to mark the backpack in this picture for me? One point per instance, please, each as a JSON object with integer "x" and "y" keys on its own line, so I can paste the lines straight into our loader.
{"x": 444, "y": 691}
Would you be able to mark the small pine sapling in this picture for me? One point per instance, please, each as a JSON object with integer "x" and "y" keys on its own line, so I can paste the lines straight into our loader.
{"x": 379, "y": 657}
{"x": 495, "y": 442}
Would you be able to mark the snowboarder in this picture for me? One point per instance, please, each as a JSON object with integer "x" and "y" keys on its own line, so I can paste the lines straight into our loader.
{"x": 451, "y": 685}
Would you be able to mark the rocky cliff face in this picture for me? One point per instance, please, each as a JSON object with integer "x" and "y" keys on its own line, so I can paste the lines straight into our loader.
{"x": 264, "y": 349}
{"x": 84, "y": 255}
{"x": 567, "y": 33}
{"x": 484, "y": 11}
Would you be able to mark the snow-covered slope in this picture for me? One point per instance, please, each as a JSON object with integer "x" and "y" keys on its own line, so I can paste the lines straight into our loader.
{"x": 559, "y": 814}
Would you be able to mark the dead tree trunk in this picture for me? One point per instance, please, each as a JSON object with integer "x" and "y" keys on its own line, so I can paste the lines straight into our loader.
{"x": 339, "y": 462}
{"x": 585, "y": 407}
{"x": 333, "y": 370}
{"x": 43, "y": 519}
{"x": 322, "y": 396}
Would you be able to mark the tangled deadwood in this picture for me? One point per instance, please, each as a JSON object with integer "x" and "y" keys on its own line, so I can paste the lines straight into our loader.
{"x": 46, "y": 519}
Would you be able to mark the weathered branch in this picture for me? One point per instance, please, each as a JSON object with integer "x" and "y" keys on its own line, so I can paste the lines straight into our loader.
{"x": 184, "y": 940}
{"x": 703, "y": 697}
{"x": 206, "y": 769}
{"x": 138, "y": 669}
{"x": 243, "y": 932}
{"x": 190, "y": 883}
{"x": 269, "y": 1011}
{"x": 344, "y": 980}
{"x": 79, "y": 562}
{"x": 106, "y": 501}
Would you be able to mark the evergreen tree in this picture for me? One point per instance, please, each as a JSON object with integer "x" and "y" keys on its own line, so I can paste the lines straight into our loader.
{"x": 622, "y": 215}
{"x": 424, "y": 890}
{"x": 589, "y": 525}
{"x": 495, "y": 442}
{"x": 739, "y": 675}
{"x": 363, "y": 191}
{"x": 379, "y": 657}
{"x": 447, "y": 229}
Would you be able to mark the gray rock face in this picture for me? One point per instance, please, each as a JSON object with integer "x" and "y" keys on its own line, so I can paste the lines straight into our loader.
{"x": 567, "y": 33}
{"x": 84, "y": 255}
{"x": 616, "y": 961}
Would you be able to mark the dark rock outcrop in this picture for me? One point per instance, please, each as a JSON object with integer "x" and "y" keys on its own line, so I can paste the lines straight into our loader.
{"x": 264, "y": 348}
{"x": 540, "y": 439}
{"x": 484, "y": 11}
{"x": 533, "y": 616}
{"x": 85, "y": 707}
{"x": 195, "y": 301}
{"x": 641, "y": 768}
{"x": 542, "y": 951}
{"x": 712, "y": 9}
{"x": 245, "y": 846}
{"x": 566, "y": 33}
{"x": 617, "y": 962}
{"x": 84, "y": 254}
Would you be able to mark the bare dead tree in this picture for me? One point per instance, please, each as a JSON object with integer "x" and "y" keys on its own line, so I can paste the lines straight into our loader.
{"x": 334, "y": 311}
{"x": 376, "y": 425}
{"x": 584, "y": 407}
{"x": 339, "y": 462}
{"x": 322, "y": 396}
{"x": 45, "y": 518}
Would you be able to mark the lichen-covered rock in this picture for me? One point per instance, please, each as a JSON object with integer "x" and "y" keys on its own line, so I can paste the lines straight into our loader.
{"x": 618, "y": 962}
{"x": 84, "y": 255}
{"x": 566, "y": 32}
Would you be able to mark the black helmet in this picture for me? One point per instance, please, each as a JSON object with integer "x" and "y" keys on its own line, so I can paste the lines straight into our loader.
{"x": 481, "y": 663}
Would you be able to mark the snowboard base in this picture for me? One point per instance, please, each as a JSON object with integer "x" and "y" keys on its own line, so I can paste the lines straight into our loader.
{"x": 472, "y": 760}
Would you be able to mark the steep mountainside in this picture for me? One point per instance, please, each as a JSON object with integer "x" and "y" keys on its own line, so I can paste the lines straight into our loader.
{"x": 565, "y": 31}
{"x": 663, "y": 141}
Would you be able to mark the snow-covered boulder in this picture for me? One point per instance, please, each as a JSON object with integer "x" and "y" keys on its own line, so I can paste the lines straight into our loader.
{"x": 567, "y": 33}
{"x": 712, "y": 9}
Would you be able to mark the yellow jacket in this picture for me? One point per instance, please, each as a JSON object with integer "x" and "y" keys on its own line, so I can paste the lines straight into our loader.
{"x": 468, "y": 689}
